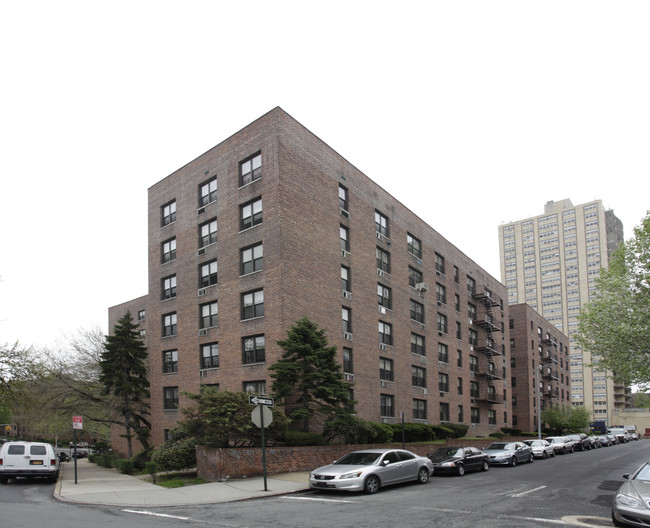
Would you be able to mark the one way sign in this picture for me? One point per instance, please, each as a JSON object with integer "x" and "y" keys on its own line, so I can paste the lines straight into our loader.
{"x": 260, "y": 400}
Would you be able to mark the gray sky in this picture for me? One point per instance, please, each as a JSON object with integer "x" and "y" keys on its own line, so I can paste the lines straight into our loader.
{"x": 503, "y": 105}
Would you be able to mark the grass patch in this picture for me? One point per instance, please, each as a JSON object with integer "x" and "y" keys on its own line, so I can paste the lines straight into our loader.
{"x": 178, "y": 480}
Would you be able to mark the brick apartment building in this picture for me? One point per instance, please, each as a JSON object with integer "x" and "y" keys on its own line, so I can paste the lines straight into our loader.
{"x": 272, "y": 225}
{"x": 539, "y": 360}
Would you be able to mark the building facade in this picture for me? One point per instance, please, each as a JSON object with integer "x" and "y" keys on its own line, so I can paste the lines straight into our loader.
{"x": 539, "y": 361}
{"x": 272, "y": 225}
{"x": 551, "y": 262}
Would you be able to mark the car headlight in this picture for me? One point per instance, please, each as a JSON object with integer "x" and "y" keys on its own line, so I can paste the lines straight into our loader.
{"x": 353, "y": 474}
{"x": 628, "y": 500}
{"x": 448, "y": 464}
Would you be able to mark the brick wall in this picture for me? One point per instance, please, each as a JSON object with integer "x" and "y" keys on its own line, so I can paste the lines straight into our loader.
{"x": 217, "y": 464}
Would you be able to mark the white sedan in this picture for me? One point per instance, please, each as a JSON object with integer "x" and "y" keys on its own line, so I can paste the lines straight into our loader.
{"x": 541, "y": 448}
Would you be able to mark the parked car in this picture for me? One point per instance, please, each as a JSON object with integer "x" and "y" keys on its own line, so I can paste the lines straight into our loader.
{"x": 541, "y": 448}
{"x": 630, "y": 502}
{"x": 614, "y": 439}
{"x": 458, "y": 460}
{"x": 370, "y": 469}
{"x": 595, "y": 441}
{"x": 605, "y": 440}
{"x": 580, "y": 441}
{"x": 620, "y": 433}
{"x": 561, "y": 444}
{"x": 509, "y": 453}
{"x": 28, "y": 459}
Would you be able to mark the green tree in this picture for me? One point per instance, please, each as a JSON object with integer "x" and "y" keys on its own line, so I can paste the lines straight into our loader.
{"x": 641, "y": 400}
{"x": 564, "y": 420}
{"x": 19, "y": 367}
{"x": 220, "y": 419}
{"x": 614, "y": 326}
{"x": 123, "y": 374}
{"x": 308, "y": 380}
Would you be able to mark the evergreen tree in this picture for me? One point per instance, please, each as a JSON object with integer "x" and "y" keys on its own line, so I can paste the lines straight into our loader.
{"x": 614, "y": 326}
{"x": 124, "y": 377}
{"x": 308, "y": 380}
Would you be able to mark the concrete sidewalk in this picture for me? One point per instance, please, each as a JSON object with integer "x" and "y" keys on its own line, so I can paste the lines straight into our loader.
{"x": 100, "y": 485}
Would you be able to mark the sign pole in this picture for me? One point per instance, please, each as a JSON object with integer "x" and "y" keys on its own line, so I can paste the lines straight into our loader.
{"x": 74, "y": 439}
{"x": 263, "y": 446}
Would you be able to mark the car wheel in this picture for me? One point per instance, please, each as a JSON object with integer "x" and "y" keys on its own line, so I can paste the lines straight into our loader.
{"x": 531, "y": 459}
{"x": 485, "y": 466}
{"x": 564, "y": 451}
{"x": 4, "y": 480}
{"x": 460, "y": 470}
{"x": 423, "y": 475}
{"x": 372, "y": 484}
{"x": 544, "y": 454}
{"x": 513, "y": 461}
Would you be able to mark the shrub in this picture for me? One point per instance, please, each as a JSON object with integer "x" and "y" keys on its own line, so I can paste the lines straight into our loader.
{"x": 413, "y": 432}
{"x": 299, "y": 438}
{"x": 175, "y": 456}
{"x": 511, "y": 431}
{"x": 106, "y": 460}
{"x": 151, "y": 469}
{"x": 458, "y": 430}
{"x": 124, "y": 465}
{"x": 140, "y": 459}
{"x": 497, "y": 435}
{"x": 442, "y": 431}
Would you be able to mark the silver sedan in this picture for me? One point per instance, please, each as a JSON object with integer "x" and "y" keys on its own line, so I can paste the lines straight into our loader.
{"x": 541, "y": 448}
{"x": 630, "y": 505}
{"x": 370, "y": 469}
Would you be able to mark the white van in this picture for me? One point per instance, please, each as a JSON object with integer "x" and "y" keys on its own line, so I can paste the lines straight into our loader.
{"x": 28, "y": 459}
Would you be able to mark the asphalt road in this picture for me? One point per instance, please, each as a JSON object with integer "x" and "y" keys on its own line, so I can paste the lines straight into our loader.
{"x": 553, "y": 492}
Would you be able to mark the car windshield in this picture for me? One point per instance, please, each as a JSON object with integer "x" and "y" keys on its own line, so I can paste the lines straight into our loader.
{"x": 359, "y": 459}
{"x": 644, "y": 473}
{"x": 502, "y": 445}
{"x": 447, "y": 451}
{"x": 533, "y": 442}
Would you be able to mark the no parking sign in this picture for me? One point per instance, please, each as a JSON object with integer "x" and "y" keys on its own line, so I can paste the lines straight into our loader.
{"x": 77, "y": 422}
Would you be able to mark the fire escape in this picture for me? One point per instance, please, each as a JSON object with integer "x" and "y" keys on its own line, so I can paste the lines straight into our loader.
{"x": 487, "y": 344}
{"x": 549, "y": 370}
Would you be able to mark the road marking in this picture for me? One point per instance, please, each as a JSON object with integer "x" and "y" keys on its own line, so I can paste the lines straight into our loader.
{"x": 153, "y": 514}
{"x": 527, "y": 492}
{"x": 291, "y": 497}
{"x": 515, "y": 517}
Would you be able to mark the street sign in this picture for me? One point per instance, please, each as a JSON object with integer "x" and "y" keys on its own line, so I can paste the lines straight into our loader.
{"x": 77, "y": 422}
{"x": 260, "y": 400}
{"x": 267, "y": 415}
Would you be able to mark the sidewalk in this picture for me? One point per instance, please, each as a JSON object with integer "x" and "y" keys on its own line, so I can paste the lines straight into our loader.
{"x": 99, "y": 485}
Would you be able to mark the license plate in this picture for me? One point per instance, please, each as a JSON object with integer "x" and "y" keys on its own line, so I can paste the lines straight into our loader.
{"x": 35, "y": 462}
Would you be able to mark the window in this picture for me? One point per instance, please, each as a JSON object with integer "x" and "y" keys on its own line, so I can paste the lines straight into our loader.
{"x": 384, "y": 296}
{"x": 471, "y": 311}
{"x": 473, "y": 337}
{"x": 417, "y": 311}
{"x": 417, "y": 344}
{"x": 344, "y": 237}
{"x": 419, "y": 409}
{"x": 456, "y": 275}
{"x": 476, "y": 417}
{"x": 348, "y": 366}
{"x": 441, "y": 294}
{"x": 473, "y": 364}
{"x": 168, "y": 213}
{"x": 441, "y": 320}
{"x": 168, "y": 250}
{"x": 210, "y": 355}
{"x": 343, "y": 198}
{"x": 473, "y": 389}
{"x": 255, "y": 387}
{"x": 443, "y": 382}
{"x": 250, "y": 169}
{"x": 471, "y": 286}
{"x": 415, "y": 277}
{"x": 208, "y": 192}
{"x": 209, "y": 315}
{"x": 252, "y": 259}
{"x": 460, "y": 386}
{"x": 444, "y": 412}
{"x": 141, "y": 315}
{"x": 385, "y": 333}
{"x": 492, "y": 417}
{"x": 170, "y": 361}
{"x": 459, "y": 330}
{"x": 208, "y": 233}
{"x": 418, "y": 376}
{"x": 250, "y": 214}
{"x": 386, "y": 369}
{"x": 208, "y": 274}
{"x": 381, "y": 224}
{"x": 414, "y": 245}
{"x": 253, "y": 350}
{"x": 345, "y": 279}
{"x": 252, "y": 304}
{"x": 383, "y": 260}
{"x": 443, "y": 353}
{"x": 170, "y": 398}
{"x": 387, "y": 405}
{"x": 169, "y": 324}
{"x": 346, "y": 316}
{"x": 440, "y": 264}
{"x": 461, "y": 414}
{"x": 168, "y": 287}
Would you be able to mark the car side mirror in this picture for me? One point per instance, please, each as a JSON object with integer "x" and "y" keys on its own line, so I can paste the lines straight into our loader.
{"x": 626, "y": 476}
{"x": 385, "y": 462}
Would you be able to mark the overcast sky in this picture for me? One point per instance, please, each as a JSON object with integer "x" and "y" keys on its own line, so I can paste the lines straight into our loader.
{"x": 471, "y": 113}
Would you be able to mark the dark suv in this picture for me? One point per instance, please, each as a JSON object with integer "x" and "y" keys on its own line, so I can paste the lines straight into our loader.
{"x": 581, "y": 441}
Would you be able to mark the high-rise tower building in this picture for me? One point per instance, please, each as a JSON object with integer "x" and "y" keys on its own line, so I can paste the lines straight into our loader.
{"x": 551, "y": 262}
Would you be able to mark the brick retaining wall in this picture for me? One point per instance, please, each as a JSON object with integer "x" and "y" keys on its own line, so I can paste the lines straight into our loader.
{"x": 216, "y": 464}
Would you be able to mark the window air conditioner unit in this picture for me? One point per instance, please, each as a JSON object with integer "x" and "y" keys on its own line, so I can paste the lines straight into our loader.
{"x": 422, "y": 286}
{"x": 424, "y": 391}
{"x": 203, "y": 333}
{"x": 347, "y": 335}
{"x": 380, "y": 272}
{"x": 201, "y": 211}
{"x": 349, "y": 377}
{"x": 382, "y": 346}
{"x": 202, "y": 291}
{"x": 347, "y": 294}
{"x": 383, "y": 383}
{"x": 201, "y": 251}
{"x": 382, "y": 310}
